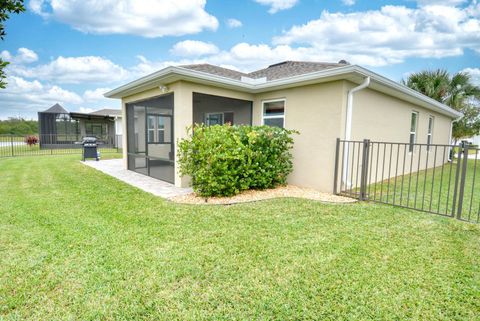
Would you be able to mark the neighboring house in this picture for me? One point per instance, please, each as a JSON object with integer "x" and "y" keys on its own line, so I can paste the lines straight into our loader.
{"x": 60, "y": 128}
{"x": 474, "y": 140}
{"x": 313, "y": 98}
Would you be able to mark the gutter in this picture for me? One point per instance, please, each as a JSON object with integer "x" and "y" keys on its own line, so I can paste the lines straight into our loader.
{"x": 235, "y": 84}
{"x": 348, "y": 126}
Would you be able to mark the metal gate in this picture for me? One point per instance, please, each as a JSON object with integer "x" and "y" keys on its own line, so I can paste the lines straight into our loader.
{"x": 438, "y": 179}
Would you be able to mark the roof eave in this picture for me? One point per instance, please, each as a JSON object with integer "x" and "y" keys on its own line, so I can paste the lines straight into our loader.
{"x": 325, "y": 75}
{"x": 441, "y": 108}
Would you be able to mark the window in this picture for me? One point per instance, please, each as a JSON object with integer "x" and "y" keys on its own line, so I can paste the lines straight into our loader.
{"x": 213, "y": 119}
{"x": 98, "y": 130}
{"x": 156, "y": 129}
{"x": 151, "y": 128}
{"x": 430, "y": 132}
{"x": 413, "y": 131}
{"x": 274, "y": 113}
{"x": 160, "y": 129}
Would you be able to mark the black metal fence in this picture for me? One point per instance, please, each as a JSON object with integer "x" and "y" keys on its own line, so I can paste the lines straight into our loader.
{"x": 439, "y": 179}
{"x": 31, "y": 145}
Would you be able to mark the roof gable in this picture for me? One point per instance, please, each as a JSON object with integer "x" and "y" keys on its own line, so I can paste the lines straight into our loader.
{"x": 280, "y": 70}
{"x": 56, "y": 109}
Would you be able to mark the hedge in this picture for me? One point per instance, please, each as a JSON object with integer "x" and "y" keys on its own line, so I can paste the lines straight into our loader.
{"x": 224, "y": 160}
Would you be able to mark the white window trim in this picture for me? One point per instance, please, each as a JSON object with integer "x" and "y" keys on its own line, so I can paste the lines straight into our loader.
{"x": 151, "y": 129}
{"x": 415, "y": 133}
{"x": 276, "y": 116}
{"x": 430, "y": 133}
{"x": 156, "y": 129}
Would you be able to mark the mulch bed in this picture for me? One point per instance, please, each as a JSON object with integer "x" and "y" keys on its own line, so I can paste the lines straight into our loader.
{"x": 258, "y": 195}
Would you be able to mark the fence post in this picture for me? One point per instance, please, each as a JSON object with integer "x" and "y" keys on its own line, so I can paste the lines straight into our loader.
{"x": 337, "y": 154}
{"x": 462, "y": 179}
{"x": 364, "y": 173}
{"x": 11, "y": 144}
{"x": 457, "y": 177}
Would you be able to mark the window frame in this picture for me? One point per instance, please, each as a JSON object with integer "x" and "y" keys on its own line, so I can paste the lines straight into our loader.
{"x": 411, "y": 146}
{"x": 90, "y": 125}
{"x": 207, "y": 116}
{"x": 431, "y": 121}
{"x": 283, "y": 117}
{"x": 151, "y": 130}
{"x": 156, "y": 129}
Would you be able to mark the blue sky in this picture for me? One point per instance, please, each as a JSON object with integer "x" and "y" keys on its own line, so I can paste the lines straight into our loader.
{"x": 72, "y": 51}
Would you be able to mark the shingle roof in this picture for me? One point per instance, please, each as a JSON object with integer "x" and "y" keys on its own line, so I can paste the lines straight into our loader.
{"x": 292, "y": 68}
{"x": 107, "y": 112}
{"x": 56, "y": 109}
{"x": 276, "y": 71}
{"x": 216, "y": 70}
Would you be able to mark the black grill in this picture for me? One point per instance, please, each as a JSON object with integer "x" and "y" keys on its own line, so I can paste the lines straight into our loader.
{"x": 90, "y": 148}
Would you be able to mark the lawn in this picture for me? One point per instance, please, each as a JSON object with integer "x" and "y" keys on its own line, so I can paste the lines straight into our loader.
{"x": 432, "y": 190}
{"x": 77, "y": 244}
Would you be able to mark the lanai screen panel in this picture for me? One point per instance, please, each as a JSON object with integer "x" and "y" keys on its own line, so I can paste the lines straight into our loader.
{"x": 150, "y": 142}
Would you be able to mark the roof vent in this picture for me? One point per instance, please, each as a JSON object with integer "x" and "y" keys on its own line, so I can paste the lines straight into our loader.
{"x": 279, "y": 64}
{"x": 344, "y": 62}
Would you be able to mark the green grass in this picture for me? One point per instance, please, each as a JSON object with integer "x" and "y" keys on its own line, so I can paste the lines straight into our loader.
{"x": 77, "y": 244}
{"x": 432, "y": 190}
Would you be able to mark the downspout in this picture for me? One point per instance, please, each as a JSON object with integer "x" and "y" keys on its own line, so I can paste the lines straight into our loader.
{"x": 348, "y": 126}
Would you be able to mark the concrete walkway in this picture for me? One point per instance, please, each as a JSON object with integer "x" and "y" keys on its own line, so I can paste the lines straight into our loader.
{"x": 114, "y": 167}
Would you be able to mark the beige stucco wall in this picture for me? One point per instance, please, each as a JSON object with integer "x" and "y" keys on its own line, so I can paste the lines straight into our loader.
{"x": 314, "y": 111}
{"x": 318, "y": 113}
{"x": 382, "y": 118}
{"x": 377, "y": 116}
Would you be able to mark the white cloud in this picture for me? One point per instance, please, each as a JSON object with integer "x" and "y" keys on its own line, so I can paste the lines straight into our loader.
{"x": 440, "y": 2}
{"x": 147, "y": 18}
{"x": 348, "y": 2}
{"x": 6, "y": 55}
{"x": 277, "y": 5}
{"x": 36, "y": 92}
{"x": 26, "y": 55}
{"x": 234, "y": 23}
{"x": 26, "y": 97}
{"x": 474, "y": 73}
{"x": 95, "y": 95}
{"x": 86, "y": 110}
{"x": 23, "y": 56}
{"x": 74, "y": 70}
{"x": 189, "y": 48}
{"x": 389, "y": 35}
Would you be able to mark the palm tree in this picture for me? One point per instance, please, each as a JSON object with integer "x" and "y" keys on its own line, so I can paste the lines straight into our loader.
{"x": 456, "y": 91}
{"x": 434, "y": 84}
{"x": 461, "y": 90}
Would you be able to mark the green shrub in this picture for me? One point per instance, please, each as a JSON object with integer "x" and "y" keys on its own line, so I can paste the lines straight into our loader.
{"x": 225, "y": 160}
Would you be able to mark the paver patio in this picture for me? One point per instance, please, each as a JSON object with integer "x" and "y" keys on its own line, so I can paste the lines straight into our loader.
{"x": 115, "y": 168}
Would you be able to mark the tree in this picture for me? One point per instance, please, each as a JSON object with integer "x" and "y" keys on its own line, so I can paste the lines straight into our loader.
{"x": 6, "y": 8}
{"x": 456, "y": 91}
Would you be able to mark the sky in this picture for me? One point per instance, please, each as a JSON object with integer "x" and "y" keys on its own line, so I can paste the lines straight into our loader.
{"x": 73, "y": 51}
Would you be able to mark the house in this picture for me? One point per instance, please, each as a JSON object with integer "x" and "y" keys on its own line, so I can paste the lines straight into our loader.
{"x": 323, "y": 101}
{"x": 475, "y": 140}
{"x": 60, "y": 128}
